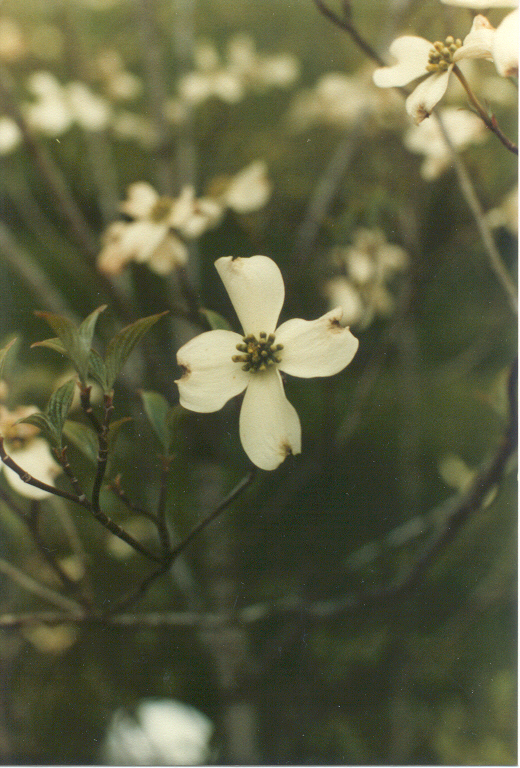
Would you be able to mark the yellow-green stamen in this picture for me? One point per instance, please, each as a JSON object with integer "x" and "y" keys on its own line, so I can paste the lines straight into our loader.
{"x": 259, "y": 353}
{"x": 441, "y": 55}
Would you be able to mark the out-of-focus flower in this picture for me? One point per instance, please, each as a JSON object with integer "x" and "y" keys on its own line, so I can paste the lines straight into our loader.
{"x": 117, "y": 82}
{"x": 90, "y": 111}
{"x": 417, "y": 57}
{"x": 157, "y": 228}
{"x": 367, "y": 266}
{"x": 51, "y": 640}
{"x": 220, "y": 364}
{"x": 13, "y": 45}
{"x": 505, "y": 46}
{"x": 506, "y": 214}
{"x": 56, "y": 107}
{"x": 246, "y": 191}
{"x": 463, "y": 127}
{"x": 10, "y": 136}
{"x": 243, "y": 69}
{"x": 134, "y": 127}
{"x": 210, "y": 79}
{"x": 152, "y": 234}
{"x": 162, "y": 732}
{"x": 30, "y": 452}
{"x": 339, "y": 100}
{"x": 259, "y": 71}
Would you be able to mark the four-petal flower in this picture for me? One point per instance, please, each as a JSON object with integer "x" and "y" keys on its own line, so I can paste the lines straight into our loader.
{"x": 220, "y": 364}
{"x": 417, "y": 57}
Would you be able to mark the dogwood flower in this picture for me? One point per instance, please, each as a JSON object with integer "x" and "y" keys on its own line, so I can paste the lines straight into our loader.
{"x": 220, "y": 364}
{"x": 417, "y": 57}
{"x": 154, "y": 233}
{"x": 157, "y": 227}
{"x": 505, "y": 46}
{"x": 246, "y": 191}
{"x": 30, "y": 452}
{"x": 367, "y": 266}
{"x": 463, "y": 127}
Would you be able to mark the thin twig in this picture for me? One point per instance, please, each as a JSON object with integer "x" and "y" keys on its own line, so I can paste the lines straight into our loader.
{"x": 468, "y": 192}
{"x": 131, "y": 598}
{"x": 489, "y": 121}
{"x": 78, "y": 498}
{"x": 346, "y": 24}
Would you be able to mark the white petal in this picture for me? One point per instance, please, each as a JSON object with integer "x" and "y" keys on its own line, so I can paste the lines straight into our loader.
{"x": 317, "y": 347}
{"x": 142, "y": 238}
{"x": 250, "y": 189}
{"x": 269, "y": 425}
{"x": 36, "y": 459}
{"x": 140, "y": 199}
{"x": 478, "y": 42}
{"x": 342, "y": 293}
{"x": 255, "y": 286}
{"x": 210, "y": 377}
{"x": 421, "y": 102}
{"x": 412, "y": 57}
{"x": 505, "y": 46}
{"x": 170, "y": 254}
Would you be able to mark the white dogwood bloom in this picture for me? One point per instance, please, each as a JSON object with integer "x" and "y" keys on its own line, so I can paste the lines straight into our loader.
{"x": 220, "y": 364}
{"x": 367, "y": 267}
{"x": 30, "y": 452}
{"x": 463, "y": 127}
{"x": 156, "y": 230}
{"x": 417, "y": 57}
{"x": 246, "y": 191}
{"x": 505, "y": 46}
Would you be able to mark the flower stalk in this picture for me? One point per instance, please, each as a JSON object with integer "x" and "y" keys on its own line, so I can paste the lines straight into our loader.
{"x": 489, "y": 120}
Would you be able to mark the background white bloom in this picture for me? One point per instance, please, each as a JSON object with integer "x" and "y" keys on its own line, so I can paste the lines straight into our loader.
{"x": 162, "y": 732}
{"x": 367, "y": 266}
{"x": 30, "y": 452}
{"x": 214, "y": 371}
{"x": 463, "y": 127}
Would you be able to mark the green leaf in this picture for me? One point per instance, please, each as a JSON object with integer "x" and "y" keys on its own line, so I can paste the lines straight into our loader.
{"x": 54, "y": 344}
{"x": 98, "y": 370}
{"x": 3, "y": 355}
{"x": 86, "y": 329}
{"x": 120, "y": 347}
{"x": 42, "y": 421}
{"x": 59, "y": 406}
{"x": 83, "y": 437}
{"x": 156, "y": 408}
{"x": 76, "y": 348}
{"x": 216, "y": 321}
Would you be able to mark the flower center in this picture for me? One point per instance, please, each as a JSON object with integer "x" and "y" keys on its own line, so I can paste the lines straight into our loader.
{"x": 259, "y": 353}
{"x": 161, "y": 209}
{"x": 441, "y": 55}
